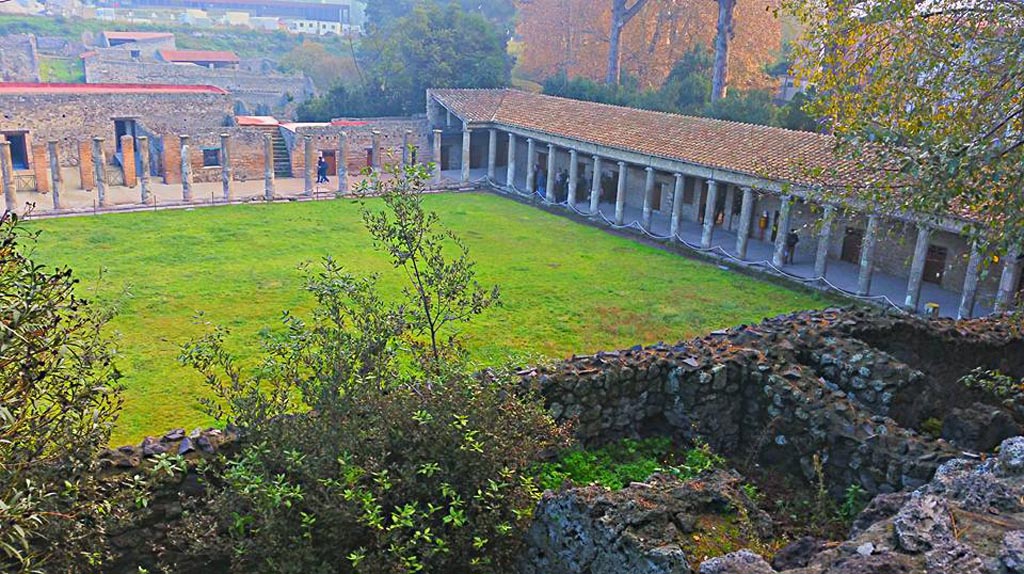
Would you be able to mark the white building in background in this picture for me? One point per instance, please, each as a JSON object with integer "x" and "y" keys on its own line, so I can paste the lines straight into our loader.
{"x": 317, "y": 27}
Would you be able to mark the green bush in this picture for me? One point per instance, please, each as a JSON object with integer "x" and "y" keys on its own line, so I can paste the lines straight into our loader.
{"x": 616, "y": 465}
{"x": 59, "y": 399}
{"x": 369, "y": 447}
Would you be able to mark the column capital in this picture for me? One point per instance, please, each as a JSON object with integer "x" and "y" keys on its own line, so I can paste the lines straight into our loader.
{"x": 596, "y": 157}
{"x": 712, "y": 182}
{"x": 225, "y": 135}
{"x": 181, "y": 137}
{"x": 56, "y": 141}
{"x": 551, "y": 146}
{"x": 98, "y": 139}
{"x": 678, "y": 175}
{"x": 529, "y": 140}
{"x": 648, "y": 169}
{"x": 436, "y": 131}
{"x": 622, "y": 164}
{"x": 307, "y": 137}
{"x": 573, "y": 152}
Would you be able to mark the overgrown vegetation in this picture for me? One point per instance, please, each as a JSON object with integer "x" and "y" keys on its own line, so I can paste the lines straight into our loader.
{"x": 369, "y": 446}
{"x": 616, "y": 465}
{"x": 59, "y": 398}
{"x": 430, "y": 46}
{"x": 687, "y": 90}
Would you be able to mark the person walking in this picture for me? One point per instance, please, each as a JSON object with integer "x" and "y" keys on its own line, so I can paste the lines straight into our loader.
{"x": 791, "y": 240}
{"x": 321, "y": 170}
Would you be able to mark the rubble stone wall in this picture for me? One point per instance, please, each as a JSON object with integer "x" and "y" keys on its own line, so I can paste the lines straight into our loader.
{"x": 19, "y": 58}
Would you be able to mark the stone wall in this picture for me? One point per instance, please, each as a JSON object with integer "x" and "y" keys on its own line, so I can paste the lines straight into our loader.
{"x": 73, "y": 117}
{"x": 784, "y": 391}
{"x": 19, "y": 59}
{"x": 246, "y": 154}
{"x": 359, "y": 140}
{"x": 274, "y": 92}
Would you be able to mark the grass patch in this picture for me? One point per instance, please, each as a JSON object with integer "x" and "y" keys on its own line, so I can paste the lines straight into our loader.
{"x": 61, "y": 70}
{"x": 616, "y": 465}
{"x": 566, "y": 288}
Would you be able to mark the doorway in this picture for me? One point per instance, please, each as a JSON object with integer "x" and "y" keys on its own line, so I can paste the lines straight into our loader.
{"x": 330, "y": 159}
{"x": 935, "y": 264}
{"x": 124, "y": 127}
{"x": 852, "y": 242}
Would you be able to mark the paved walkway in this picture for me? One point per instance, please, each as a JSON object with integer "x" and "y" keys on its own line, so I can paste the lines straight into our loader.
{"x": 886, "y": 289}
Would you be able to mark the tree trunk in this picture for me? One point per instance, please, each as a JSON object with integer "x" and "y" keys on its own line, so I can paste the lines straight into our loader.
{"x": 621, "y": 15}
{"x": 720, "y": 77}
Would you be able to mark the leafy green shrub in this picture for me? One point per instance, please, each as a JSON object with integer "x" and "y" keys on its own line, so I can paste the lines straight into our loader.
{"x": 369, "y": 447}
{"x": 616, "y": 465}
{"x": 59, "y": 399}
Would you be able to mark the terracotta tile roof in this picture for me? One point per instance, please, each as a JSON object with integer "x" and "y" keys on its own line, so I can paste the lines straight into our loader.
{"x": 26, "y": 89}
{"x": 755, "y": 150}
{"x": 138, "y": 36}
{"x": 198, "y": 56}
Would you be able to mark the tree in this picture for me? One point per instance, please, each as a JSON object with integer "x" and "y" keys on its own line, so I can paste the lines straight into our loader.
{"x": 384, "y": 13}
{"x": 370, "y": 448}
{"x": 573, "y": 36}
{"x": 688, "y": 86}
{"x": 326, "y": 69}
{"x": 431, "y": 47}
{"x": 622, "y": 13}
{"x": 59, "y": 399}
{"x": 725, "y": 30}
{"x": 925, "y": 99}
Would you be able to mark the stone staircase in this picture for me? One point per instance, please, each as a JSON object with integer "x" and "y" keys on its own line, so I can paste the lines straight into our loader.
{"x": 282, "y": 159}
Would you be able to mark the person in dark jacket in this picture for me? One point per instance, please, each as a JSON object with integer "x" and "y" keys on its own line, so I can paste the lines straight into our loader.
{"x": 321, "y": 170}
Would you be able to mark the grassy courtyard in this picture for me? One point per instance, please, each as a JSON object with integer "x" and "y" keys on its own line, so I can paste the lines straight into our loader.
{"x": 566, "y": 288}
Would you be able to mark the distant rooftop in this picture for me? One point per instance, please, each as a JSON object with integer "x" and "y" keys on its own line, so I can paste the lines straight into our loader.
{"x": 137, "y": 36}
{"x": 199, "y": 56}
{"x": 27, "y": 89}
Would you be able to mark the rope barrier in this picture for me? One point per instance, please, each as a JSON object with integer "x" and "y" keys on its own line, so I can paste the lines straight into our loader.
{"x": 715, "y": 250}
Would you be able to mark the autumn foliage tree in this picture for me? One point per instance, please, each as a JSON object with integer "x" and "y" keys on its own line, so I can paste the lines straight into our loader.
{"x": 573, "y": 36}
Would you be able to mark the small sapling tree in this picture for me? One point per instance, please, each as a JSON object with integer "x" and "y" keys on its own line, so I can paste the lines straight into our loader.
{"x": 369, "y": 447}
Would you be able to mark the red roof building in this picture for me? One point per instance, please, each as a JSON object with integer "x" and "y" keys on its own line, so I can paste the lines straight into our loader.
{"x": 207, "y": 58}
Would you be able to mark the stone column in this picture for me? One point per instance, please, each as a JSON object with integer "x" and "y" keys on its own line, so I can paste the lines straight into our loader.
{"x": 7, "y": 176}
{"x": 824, "y": 241}
{"x": 225, "y": 166}
{"x": 785, "y": 208}
{"x": 144, "y": 169}
{"x": 677, "y": 205}
{"x": 970, "y": 291}
{"x": 746, "y": 220}
{"x": 867, "y": 256}
{"x": 574, "y": 177}
{"x": 916, "y": 275}
{"x": 128, "y": 161}
{"x": 709, "y": 215}
{"x": 510, "y": 175}
{"x": 342, "y": 163}
{"x": 405, "y": 148}
{"x": 531, "y": 166}
{"x": 467, "y": 139}
{"x": 648, "y": 212}
{"x": 730, "y": 200}
{"x": 268, "y": 167}
{"x": 309, "y": 165}
{"x": 99, "y": 162}
{"x": 620, "y": 195}
{"x": 492, "y": 153}
{"x": 437, "y": 157}
{"x": 55, "y": 174}
{"x": 1009, "y": 280}
{"x": 696, "y": 200}
{"x": 376, "y": 159}
{"x": 549, "y": 187}
{"x": 186, "y": 169}
{"x": 595, "y": 186}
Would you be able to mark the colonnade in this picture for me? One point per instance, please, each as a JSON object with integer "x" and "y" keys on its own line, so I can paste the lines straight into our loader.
{"x": 825, "y": 225}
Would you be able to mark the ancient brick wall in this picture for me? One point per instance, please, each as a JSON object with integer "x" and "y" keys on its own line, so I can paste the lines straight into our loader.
{"x": 360, "y": 141}
{"x": 246, "y": 154}
{"x": 73, "y": 117}
{"x": 272, "y": 91}
{"x": 781, "y": 393}
{"x": 19, "y": 58}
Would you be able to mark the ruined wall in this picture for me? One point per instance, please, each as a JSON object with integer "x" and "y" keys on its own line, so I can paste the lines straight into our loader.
{"x": 787, "y": 390}
{"x": 360, "y": 141}
{"x": 246, "y": 146}
{"x": 19, "y": 58}
{"x": 273, "y": 91}
{"x": 73, "y": 117}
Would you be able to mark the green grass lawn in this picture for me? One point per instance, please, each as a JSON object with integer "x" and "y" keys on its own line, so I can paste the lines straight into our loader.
{"x": 566, "y": 288}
